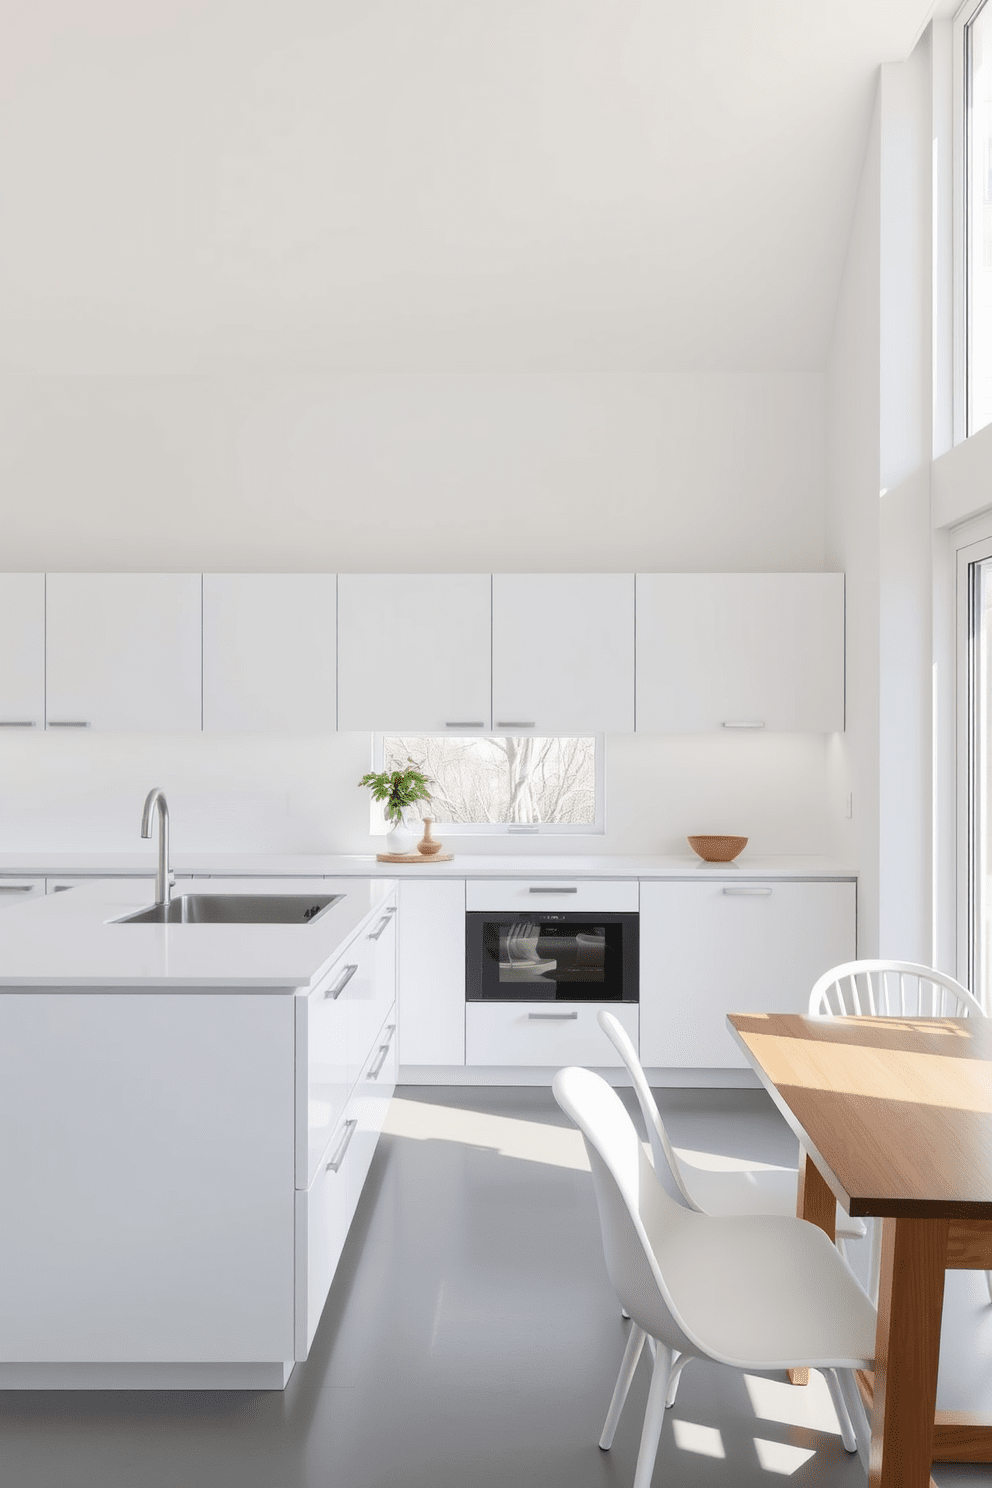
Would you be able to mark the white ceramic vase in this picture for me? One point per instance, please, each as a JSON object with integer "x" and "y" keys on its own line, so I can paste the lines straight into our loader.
{"x": 401, "y": 838}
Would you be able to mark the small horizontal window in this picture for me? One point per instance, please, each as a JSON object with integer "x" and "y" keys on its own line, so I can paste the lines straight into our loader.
{"x": 489, "y": 784}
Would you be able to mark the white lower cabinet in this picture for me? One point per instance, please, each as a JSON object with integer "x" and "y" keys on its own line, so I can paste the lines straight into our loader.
{"x": 322, "y": 1219}
{"x": 325, "y": 1209}
{"x": 542, "y": 1033}
{"x": 719, "y": 947}
{"x": 346, "y": 1063}
{"x": 432, "y": 972}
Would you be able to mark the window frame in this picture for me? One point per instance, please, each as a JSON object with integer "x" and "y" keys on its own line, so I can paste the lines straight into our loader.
{"x": 596, "y": 828}
{"x": 972, "y": 544}
{"x": 961, "y": 92}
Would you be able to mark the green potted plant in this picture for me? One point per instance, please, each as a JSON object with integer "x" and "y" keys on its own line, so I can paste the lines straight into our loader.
{"x": 398, "y": 790}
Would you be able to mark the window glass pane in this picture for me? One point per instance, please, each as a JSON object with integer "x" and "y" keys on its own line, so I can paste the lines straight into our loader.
{"x": 981, "y": 785}
{"x": 481, "y": 780}
{"x": 979, "y": 215}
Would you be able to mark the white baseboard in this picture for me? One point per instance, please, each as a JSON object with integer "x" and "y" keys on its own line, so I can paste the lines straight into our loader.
{"x": 688, "y": 1079}
{"x": 269, "y": 1376}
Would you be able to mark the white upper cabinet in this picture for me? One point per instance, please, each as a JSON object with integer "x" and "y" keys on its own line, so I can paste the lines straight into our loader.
{"x": 563, "y": 653}
{"x": 123, "y": 651}
{"x": 740, "y": 650}
{"x": 22, "y": 651}
{"x": 414, "y": 652}
{"x": 269, "y": 653}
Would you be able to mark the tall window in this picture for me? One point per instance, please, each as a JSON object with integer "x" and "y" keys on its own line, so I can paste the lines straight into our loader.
{"x": 978, "y": 805}
{"x": 978, "y": 215}
{"x": 495, "y": 784}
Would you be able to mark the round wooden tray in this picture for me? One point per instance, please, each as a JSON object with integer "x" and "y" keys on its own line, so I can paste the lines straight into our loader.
{"x": 414, "y": 857}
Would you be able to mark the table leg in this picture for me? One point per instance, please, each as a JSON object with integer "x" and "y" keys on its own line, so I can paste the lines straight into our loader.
{"x": 907, "y": 1348}
{"x": 814, "y": 1202}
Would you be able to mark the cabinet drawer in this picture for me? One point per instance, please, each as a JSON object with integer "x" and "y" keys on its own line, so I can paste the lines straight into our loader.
{"x": 370, "y": 1104}
{"x": 324, "y": 1058}
{"x": 374, "y": 988}
{"x": 537, "y": 894}
{"x": 323, "y": 1214}
{"x": 542, "y": 1033}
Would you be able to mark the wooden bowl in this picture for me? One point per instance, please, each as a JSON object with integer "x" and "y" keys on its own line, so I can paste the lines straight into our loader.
{"x": 717, "y": 849}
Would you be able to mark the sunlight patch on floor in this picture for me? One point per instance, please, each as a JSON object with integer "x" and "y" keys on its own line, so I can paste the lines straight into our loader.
{"x": 704, "y": 1440}
{"x": 780, "y": 1457}
{"x": 808, "y": 1405}
{"x": 510, "y": 1136}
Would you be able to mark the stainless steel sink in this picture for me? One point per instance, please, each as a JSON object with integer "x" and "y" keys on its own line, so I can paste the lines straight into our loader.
{"x": 235, "y": 909}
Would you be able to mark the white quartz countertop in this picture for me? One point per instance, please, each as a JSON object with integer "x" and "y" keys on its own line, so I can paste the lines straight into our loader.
{"x": 70, "y": 940}
{"x": 464, "y": 865}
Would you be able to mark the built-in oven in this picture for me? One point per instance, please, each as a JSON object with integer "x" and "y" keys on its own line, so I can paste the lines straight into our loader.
{"x": 538, "y": 955}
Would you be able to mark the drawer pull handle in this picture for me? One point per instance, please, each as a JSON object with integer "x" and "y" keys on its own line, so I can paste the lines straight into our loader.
{"x": 374, "y": 934}
{"x": 17, "y": 723}
{"x": 16, "y": 888}
{"x": 539, "y": 889}
{"x": 464, "y": 725}
{"x": 754, "y": 891}
{"x": 744, "y": 723}
{"x": 338, "y": 1158}
{"x": 553, "y": 1017}
{"x": 376, "y": 1069}
{"x": 338, "y": 988}
{"x": 68, "y": 723}
{"x": 514, "y": 723}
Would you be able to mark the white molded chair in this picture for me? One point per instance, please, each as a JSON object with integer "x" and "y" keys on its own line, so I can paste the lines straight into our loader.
{"x": 891, "y": 989}
{"x": 721, "y": 1192}
{"x": 757, "y": 1292}
{"x": 750, "y": 1191}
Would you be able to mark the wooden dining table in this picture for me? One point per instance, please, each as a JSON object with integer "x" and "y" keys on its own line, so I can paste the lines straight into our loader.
{"x": 894, "y": 1120}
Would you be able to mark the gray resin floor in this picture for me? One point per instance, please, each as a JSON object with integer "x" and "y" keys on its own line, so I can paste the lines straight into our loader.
{"x": 471, "y": 1340}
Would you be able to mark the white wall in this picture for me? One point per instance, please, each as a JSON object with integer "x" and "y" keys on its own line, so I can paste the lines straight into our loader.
{"x": 418, "y": 473}
{"x": 853, "y": 541}
{"x": 392, "y": 473}
{"x": 905, "y": 551}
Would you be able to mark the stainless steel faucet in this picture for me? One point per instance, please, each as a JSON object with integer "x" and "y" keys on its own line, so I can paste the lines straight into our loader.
{"x": 164, "y": 877}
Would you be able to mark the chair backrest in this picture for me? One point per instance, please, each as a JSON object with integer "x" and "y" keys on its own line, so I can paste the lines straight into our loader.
{"x": 631, "y": 1201}
{"x": 890, "y": 989}
{"x": 666, "y": 1164}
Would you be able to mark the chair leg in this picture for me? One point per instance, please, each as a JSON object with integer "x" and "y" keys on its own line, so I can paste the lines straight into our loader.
{"x": 856, "y": 1412}
{"x": 654, "y": 1418}
{"x": 988, "y": 1283}
{"x": 631, "y": 1354}
{"x": 841, "y": 1244}
{"x": 875, "y": 1264}
{"x": 847, "y": 1434}
{"x": 679, "y": 1361}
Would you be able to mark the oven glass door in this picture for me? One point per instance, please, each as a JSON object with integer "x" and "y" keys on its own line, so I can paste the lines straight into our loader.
{"x": 551, "y": 957}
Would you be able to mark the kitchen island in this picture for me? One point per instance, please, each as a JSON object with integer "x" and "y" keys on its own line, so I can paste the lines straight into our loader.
{"x": 190, "y": 1111}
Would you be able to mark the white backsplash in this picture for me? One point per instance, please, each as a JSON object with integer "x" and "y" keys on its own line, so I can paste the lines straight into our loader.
{"x": 84, "y": 793}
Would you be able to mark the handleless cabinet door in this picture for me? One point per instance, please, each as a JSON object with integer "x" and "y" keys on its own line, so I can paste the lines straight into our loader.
{"x": 414, "y": 652}
{"x": 22, "y": 652}
{"x": 563, "y": 653}
{"x": 123, "y": 652}
{"x": 432, "y": 972}
{"x": 269, "y": 653}
{"x": 740, "y": 651}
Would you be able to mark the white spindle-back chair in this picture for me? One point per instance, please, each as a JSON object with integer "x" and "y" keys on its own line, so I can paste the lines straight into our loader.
{"x": 891, "y": 989}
